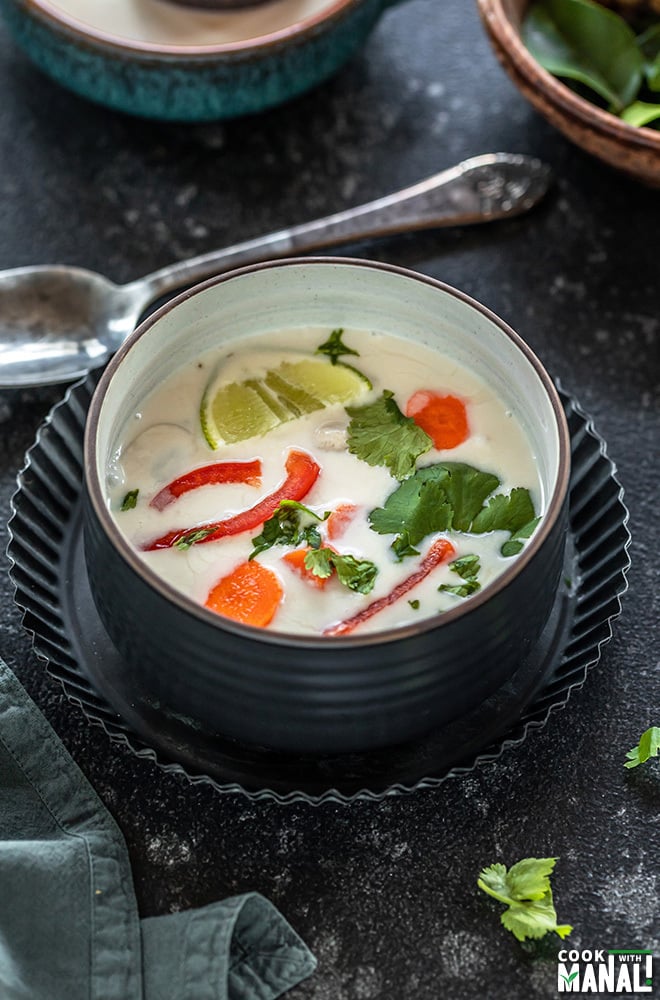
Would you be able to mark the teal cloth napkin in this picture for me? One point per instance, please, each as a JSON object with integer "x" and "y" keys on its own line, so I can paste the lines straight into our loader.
{"x": 69, "y": 926}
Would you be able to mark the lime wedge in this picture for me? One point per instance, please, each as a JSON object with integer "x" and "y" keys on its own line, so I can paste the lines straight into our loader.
{"x": 330, "y": 383}
{"x": 235, "y": 411}
{"x": 281, "y": 411}
{"x": 294, "y": 397}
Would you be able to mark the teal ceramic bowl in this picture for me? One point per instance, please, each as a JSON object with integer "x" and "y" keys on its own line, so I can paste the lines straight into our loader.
{"x": 167, "y": 61}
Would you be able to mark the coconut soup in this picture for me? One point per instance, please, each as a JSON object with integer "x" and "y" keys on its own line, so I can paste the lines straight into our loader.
{"x": 341, "y": 491}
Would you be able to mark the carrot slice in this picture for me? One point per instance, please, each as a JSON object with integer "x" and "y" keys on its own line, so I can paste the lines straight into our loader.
{"x": 208, "y": 475}
{"x": 444, "y": 418}
{"x": 296, "y": 560}
{"x": 339, "y": 520}
{"x": 250, "y": 594}
{"x": 440, "y": 552}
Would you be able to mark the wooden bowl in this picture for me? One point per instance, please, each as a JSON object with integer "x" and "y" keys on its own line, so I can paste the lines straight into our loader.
{"x": 636, "y": 151}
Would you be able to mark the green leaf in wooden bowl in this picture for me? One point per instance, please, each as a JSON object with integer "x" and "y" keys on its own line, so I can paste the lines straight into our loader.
{"x": 641, "y": 113}
{"x": 649, "y": 45}
{"x": 581, "y": 41}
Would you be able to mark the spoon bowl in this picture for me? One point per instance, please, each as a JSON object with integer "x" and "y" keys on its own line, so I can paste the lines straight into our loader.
{"x": 59, "y": 322}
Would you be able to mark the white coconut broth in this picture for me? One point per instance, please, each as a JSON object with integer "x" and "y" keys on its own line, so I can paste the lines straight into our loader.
{"x": 164, "y": 440}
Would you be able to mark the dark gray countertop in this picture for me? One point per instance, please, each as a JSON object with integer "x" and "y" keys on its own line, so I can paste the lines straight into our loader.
{"x": 385, "y": 894}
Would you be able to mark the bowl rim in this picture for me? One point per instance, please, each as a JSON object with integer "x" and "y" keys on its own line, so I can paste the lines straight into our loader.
{"x": 506, "y": 35}
{"x": 128, "y": 553}
{"x": 57, "y": 18}
{"x": 85, "y": 33}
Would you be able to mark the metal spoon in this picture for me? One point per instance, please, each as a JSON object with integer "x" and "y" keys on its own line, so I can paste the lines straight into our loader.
{"x": 57, "y": 323}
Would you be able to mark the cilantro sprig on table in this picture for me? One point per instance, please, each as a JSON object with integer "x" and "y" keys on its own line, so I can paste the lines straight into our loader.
{"x": 525, "y": 890}
{"x": 451, "y": 496}
{"x": 648, "y": 746}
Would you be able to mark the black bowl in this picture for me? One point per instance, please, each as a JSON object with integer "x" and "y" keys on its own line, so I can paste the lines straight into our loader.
{"x": 306, "y": 693}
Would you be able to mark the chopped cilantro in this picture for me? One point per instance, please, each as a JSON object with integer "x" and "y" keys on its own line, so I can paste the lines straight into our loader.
{"x": 130, "y": 500}
{"x": 380, "y": 434}
{"x": 525, "y": 889}
{"x": 414, "y": 605}
{"x": 356, "y": 574}
{"x": 192, "y": 537}
{"x": 287, "y": 527}
{"x": 467, "y": 567}
{"x": 401, "y": 546}
{"x": 334, "y": 347}
{"x": 648, "y": 746}
{"x": 450, "y": 497}
{"x": 470, "y": 586}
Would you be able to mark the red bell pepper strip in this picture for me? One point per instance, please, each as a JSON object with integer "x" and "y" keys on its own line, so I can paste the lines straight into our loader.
{"x": 302, "y": 472}
{"x": 440, "y": 552}
{"x": 208, "y": 475}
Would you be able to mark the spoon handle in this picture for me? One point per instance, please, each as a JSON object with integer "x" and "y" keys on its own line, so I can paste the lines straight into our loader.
{"x": 477, "y": 190}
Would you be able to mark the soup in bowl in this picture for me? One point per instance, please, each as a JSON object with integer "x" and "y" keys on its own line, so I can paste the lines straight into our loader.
{"x": 325, "y": 504}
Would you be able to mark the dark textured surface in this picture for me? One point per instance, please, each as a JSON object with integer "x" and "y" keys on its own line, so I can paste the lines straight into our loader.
{"x": 385, "y": 893}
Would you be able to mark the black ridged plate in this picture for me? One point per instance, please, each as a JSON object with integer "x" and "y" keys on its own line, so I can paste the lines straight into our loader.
{"x": 48, "y": 571}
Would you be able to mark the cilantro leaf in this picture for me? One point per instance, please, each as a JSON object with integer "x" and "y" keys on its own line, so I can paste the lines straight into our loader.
{"x": 648, "y": 746}
{"x": 417, "y": 508}
{"x": 458, "y": 489}
{"x": 320, "y": 562}
{"x": 130, "y": 500}
{"x": 470, "y": 586}
{"x": 296, "y": 505}
{"x": 192, "y": 537}
{"x": 356, "y": 574}
{"x": 514, "y": 513}
{"x": 401, "y": 546}
{"x": 526, "y": 891}
{"x": 467, "y": 567}
{"x": 450, "y": 496}
{"x": 334, "y": 347}
{"x": 534, "y": 919}
{"x": 530, "y": 878}
{"x": 287, "y": 527}
{"x": 467, "y": 489}
{"x": 380, "y": 434}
